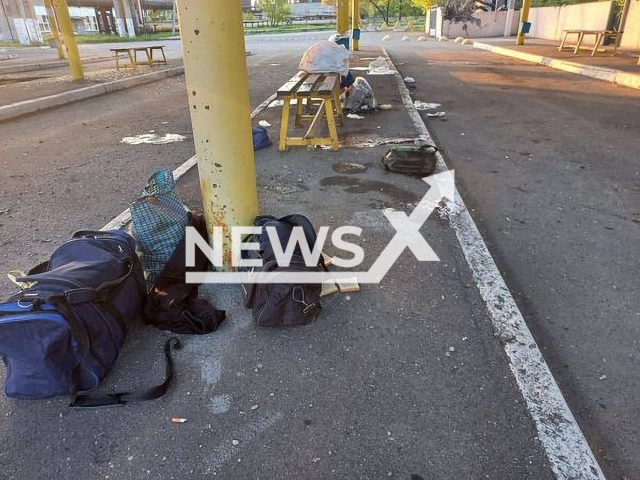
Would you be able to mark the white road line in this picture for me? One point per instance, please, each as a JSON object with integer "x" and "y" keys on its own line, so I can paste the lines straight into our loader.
{"x": 122, "y": 221}
{"x": 564, "y": 444}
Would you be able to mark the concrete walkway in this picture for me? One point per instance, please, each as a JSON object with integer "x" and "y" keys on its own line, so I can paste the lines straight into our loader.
{"x": 401, "y": 380}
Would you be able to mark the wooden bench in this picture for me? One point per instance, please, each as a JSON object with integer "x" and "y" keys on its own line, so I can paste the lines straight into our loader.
{"x": 132, "y": 54}
{"x": 311, "y": 90}
{"x": 600, "y": 36}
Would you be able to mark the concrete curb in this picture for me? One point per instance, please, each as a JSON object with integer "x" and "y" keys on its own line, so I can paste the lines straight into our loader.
{"x": 31, "y": 67}
{"x": 14, "y": 110}
{"x": 619, "y": 77}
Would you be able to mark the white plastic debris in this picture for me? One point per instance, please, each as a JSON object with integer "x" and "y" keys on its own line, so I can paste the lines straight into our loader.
{"x": 386, "y": 38}
{"x": 424, "y": 105}
{"x": 379, "y": 67}
{"x": 436, "y": 114}
{"x": 359, "y": 96}
{"x": 325, "y": 57}
{"x": 405, "y": 38}
{"x": 355, "y": 116}
{"x": 467, "y": 41}
{"x": 443, "y": 39}
{"x": 409, "y": 80}
{"x": 459, "y": 39}
{"x": 153, "y": 138}
{"x": 264, "y": 123}
{"x": 422, "y": 38}
{"x": 235, "y": 442}
{"x": 385, "y": 106}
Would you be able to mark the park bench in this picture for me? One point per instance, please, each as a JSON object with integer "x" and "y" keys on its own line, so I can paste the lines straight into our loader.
{"x": 600, "y": 36}
{"x": 254, "y": 23}
{"x": 132, "y": 54}
{"x": 311, "y": 90}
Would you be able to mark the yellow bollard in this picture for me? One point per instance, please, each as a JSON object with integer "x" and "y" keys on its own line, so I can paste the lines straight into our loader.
{"x": 355, "y": 21}
{"x": 218, "y": 89}
{"x": 343, "y": 16}
{"x": 524, "y": 17}
{"x": 66, "y": 31}
{"x": 54, "y": 28}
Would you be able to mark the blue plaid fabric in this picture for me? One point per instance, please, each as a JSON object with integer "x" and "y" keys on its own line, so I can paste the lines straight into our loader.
{"x": 159, "y": 220}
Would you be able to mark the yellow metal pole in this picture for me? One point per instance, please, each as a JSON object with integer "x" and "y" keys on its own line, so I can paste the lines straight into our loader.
{"x": 343, "y": 16}
{"x": 54, "y": 28}
{"x": 355, "y": 23}
{"x": 218, "y": 89}
{"x": 66, "y": 30}
{"x": 524, "y": 17}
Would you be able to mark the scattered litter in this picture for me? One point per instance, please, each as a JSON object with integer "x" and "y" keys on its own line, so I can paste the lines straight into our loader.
{"x": 280, "y": 102}
{"x": 409, "y": 80}
{"x": 459, "y": 39}
{"x": 405, "y": 38}
{"x": 385, "y": 106}
{"x": 254, "y": 407}
{"x": 178, "y": 420}
{"x": 152, "y": 131}
{"x": 355, "y": 116}
{"x": 379, "y": 67}
{"x": 467, "y": 41}
{"x": 452, "y": 349}
{"x": 422, "y": 38}
{"x": 437, "y": 114}
{"x": 316, "y": 460}
{"x": 235, "y": 442}
{"x": 347, "y": 167}
{"x": 443, "y": 39}
{"x": 424, "y": 106}
{"x": 324, "y": 57}
{"x": 411, "y": 159}
{"x": 348, "y": 285}
{"x": 386, "y": 38}
{"x": 274, "y": 64}
{"x": 328, "y": 287}
{"x": 360, "y": 69}
{"x": 602, "y": 377}
{"x": 154, "y": 139}
{"x": 165, "y": 123}
{"x": 359, "y": 96}
{"x": 264, "y": 123}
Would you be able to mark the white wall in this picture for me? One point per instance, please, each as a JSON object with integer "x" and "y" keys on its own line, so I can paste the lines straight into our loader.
{"x": 549, "y": 22}
{"x": 486, "y": 24}
{"x": 631, "y": 35}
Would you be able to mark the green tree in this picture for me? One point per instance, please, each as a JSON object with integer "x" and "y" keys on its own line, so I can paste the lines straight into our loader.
{"x": 276, "y": 11}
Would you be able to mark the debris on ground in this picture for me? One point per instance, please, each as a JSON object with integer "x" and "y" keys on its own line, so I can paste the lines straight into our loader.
{"x": 264, "y": 123}
{"x": 424, "y": 105}
{"x": 436, "y": 114}
{"x": 459, "y": 39}
{"x": 178, "y": 420}
{"x": 405, "y": 38}
{"x": 443, "y": 39}
{"x": 410, "y": 82}
{"x": 280, "y": 103}
{"x": 379, "y": 67}
{"x": 153, "y": 139}
{"x": 355, "y": 116}
{"x": 385, "y": 106}
{"x": 422, "y": 38}
{"x": 411, "y": 159}
{"x": 359, "y": 96}
{"x": 386, "y": 38}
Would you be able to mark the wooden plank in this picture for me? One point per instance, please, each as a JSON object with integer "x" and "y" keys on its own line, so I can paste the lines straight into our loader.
{"x": 291, "y": 86}
{"x": 308, "y": 86}
{"x": 315, "y": 123}
{"x": 327, "y": 85}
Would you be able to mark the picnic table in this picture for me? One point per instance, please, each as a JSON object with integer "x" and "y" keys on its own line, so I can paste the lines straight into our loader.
{"x": 311, "y": 90}
{"x": 132, "y": 54}
{"x": 600, "y": 36}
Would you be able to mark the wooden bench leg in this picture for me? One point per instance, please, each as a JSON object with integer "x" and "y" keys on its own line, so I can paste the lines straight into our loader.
{"x": 298, "y": 119}
{"x": 336, "y": 99}
{"x": 331, "y": 121}
{"x": 284, "y": 123}
{"x": 578, "y": 43}
{"x": 599, "y": 38}
{"x": 564, "y": 39}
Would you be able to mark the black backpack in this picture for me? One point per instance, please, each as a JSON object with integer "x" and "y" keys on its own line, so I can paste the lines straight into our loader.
{"x": 282, "y": 304}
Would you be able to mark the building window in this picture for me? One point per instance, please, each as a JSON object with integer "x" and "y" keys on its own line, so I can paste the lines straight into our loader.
{"x": 43, "y": 24}
{"x": 91, "y": 24}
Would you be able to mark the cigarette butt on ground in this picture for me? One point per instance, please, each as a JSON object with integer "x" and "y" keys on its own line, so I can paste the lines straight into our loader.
{"x": 178, "y": 420}
{"x": 348, "y": 285}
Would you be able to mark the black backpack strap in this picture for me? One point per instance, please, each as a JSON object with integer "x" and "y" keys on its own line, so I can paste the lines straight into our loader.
{"x": 89, "y": 400}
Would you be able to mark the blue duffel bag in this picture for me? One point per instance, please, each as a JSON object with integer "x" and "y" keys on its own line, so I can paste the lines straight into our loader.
{"x": 63, "y": 334}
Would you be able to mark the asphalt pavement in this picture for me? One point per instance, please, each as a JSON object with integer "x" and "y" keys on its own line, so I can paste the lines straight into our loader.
{"x": 548, "y": 163}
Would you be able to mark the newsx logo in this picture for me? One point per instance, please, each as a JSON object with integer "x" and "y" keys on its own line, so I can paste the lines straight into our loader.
{"x": 407, "y": 236}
